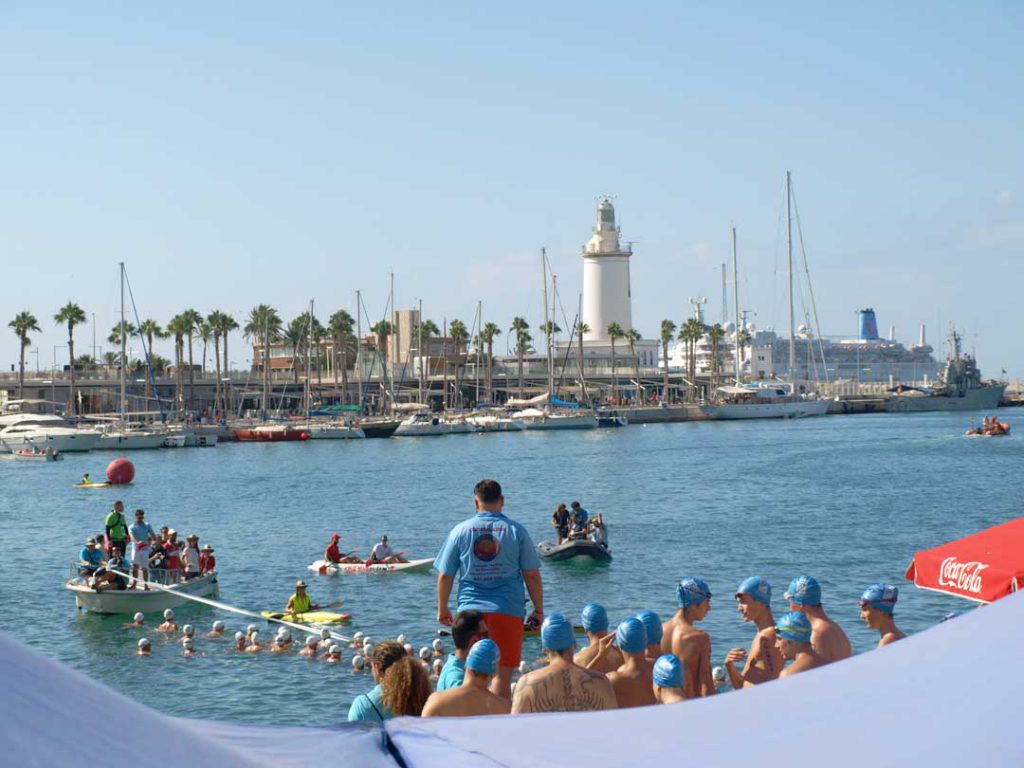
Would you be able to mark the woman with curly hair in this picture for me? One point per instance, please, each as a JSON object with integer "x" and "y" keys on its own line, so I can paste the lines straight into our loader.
{"x": 403, "y": 686}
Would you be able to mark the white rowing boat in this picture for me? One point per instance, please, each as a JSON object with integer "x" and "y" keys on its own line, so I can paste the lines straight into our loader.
{"x": 337, "y": 569}
{"x": 145, "y": 601}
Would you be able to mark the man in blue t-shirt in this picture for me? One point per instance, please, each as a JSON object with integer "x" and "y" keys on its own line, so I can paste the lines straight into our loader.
{"x": 579, "y": 520}
{"x": 90, "y": 558}
{"x": 493, "y": 556}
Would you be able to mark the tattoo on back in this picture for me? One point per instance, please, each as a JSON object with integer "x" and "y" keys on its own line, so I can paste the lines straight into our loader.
{"x": 561, "y": 693}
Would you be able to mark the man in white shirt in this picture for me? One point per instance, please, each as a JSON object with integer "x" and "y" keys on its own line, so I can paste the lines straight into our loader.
{"x": 382, "y": 553}
{"x": 141, "y": 534}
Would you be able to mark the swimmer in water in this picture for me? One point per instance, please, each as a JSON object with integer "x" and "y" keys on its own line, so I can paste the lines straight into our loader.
{"x": 668, "y": 680}
{"x": 240, "y": 641}
{"x": 333, "y": 654}
{"x": 145, "y": 649}
{"x": 438, "y": 646}
{"x": 828, "y": 638}
{"x": 310, "y": 648}
{"x": 793, "y": 638}
{"x": 249, "y": 632}
{"x": 595, "y": 623}
{"x": 632, "y": 682}
{"x": 763, "y": 662}
{"x": 877, "y": 605}
{"x": 188, "y": 632}
{"x": 357, "y": 640}
{"x": 217, "y": 630}
{"x": 683, "y": 640}
{"x": 254, "y": 642}
{"x": 358, "y": 663}
{"x": 472, "y": 697}
{"x": 562, "y": 685}
{"x": 652, "y": 625}
{"x": 138, "y": 620}
{"x": 282, "y": 642}
{"x": 188, "y": 648}
{"x": 168, "y": 625}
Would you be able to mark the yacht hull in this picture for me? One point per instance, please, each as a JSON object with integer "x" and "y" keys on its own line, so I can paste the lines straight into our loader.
{"x": 790, "y": 410}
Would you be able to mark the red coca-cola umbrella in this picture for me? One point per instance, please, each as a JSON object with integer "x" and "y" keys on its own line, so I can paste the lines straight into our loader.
{"x": 983, "y": 566}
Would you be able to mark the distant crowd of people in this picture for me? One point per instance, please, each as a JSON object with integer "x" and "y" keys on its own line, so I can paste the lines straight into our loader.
{"x": 160, "y": 557}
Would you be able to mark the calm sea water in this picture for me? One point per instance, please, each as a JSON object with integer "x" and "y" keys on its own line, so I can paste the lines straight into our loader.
{"x": 846, "y": 499}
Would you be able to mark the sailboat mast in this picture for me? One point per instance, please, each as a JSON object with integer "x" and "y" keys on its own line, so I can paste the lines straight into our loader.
{"x": 579, "y": 322}
{"x": 309, "y": 355}
{"x": 124, "y": 341}
{"x": 736, "y": 307}
{"x": 547, "y": 320}
{"x": 479, "y": 334}
{"x": 385, "y": 362}
{"x": 419, "y": 344}
{"x": 792, "y": 316}
{"x": 359, "y": 349}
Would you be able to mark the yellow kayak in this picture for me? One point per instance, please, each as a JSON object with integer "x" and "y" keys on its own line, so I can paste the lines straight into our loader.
{"x": 91, "y": 485}
{"x": 309, "y": 617}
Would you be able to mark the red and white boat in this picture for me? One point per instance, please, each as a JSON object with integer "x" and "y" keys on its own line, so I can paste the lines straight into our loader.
{"x": 270, "y": 433}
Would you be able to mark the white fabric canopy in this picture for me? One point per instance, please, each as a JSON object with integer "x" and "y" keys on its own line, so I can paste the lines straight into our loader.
{"x": 944, "y": 697}
{"x": 51, "y": 715}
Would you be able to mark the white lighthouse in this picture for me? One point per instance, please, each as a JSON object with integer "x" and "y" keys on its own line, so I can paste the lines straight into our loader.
{"x": 606, "y": 293}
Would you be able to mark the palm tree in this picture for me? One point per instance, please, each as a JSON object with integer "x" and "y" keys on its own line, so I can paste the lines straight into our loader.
{"x": 459, "y": 335}
{"x": 205, "y": 332}
{"x": 115, "y": 337}
{"x": 382, "y": 329}
{"x": 22, "y": 323}
{"x": 340, "y": 326}
{"x": 71, "y": 315}
{"x": 264, "y": 327}
{"x": 521, "y": 328}
{"x": 319, "y": 334}
{"x": 194, "y": 321}
{"x": 668, "y": 329}
{"x": 178, "y": 327}
{"x": 615, "y": 333}
{"x": 214, "y": 322}
{"x": 633, "y": 336}
{"x": 150, "y": 329}
{"x": 295, "y": 334}
{"x": 582, "y": 328}
{"x": 691, "y": 332}
{"x": 227, "y": 324}
{"x": 742, "y": 338}
{"x": 716, "y": 333}
{"x": 423, "y": 333}
{"x": 487, "y": 335}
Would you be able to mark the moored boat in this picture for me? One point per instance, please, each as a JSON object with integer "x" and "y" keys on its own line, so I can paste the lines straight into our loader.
{"x": 422, "y": 424}
{"x": 270, "y": 433}
{"x": 34, "y": 454}
{"x": 338, "y": 569}
{"x": 110, "y": 601}
{"x": 574, "y": 548}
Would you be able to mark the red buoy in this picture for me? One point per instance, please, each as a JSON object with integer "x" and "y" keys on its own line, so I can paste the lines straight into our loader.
{"x": 120, "y": 472}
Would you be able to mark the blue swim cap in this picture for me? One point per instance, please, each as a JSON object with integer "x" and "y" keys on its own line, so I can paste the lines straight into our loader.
{"x": 794, "y": 626}
{"x": 668, "y": 672}
{"x": 631, "y": 636}
{"x": 881, "y": 596}
{"x": 556, "y": 633}
{"x": 757, "y": 587}
{"x": 692, "y": 591}
{"x": 804, "y": 590}
{"x": 652, "y": 625}
{"x": 595, "y": 618}
{"x": 484, "y": 657}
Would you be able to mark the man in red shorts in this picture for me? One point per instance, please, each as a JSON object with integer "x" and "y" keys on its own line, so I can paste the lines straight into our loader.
{"x": 492, "y": 556}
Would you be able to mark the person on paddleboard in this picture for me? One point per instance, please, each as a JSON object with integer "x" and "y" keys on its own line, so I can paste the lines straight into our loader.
{"x": 333, "y": 555}
{"x": 300, "y": 602}
{"x": 86, "y": 480}
{"x": 382, "y": 553}
{"x": 493, "y": 556}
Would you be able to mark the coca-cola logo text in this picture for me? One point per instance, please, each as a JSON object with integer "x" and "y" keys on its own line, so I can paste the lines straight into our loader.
{"x": 963, "y": 576}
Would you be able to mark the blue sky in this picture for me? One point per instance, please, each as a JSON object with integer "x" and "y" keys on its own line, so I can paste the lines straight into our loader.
{"x": 238, "y": 153}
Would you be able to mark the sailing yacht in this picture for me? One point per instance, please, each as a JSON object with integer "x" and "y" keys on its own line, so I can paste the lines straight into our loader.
{"x": 765, "y": 401}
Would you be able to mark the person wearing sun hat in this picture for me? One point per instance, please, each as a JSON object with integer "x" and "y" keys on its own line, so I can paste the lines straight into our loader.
{"x": 562, "y": 685}
{"x": 876, "y": 610}
{"x": 595, "y": 624}
{"x": 632, "y": 681}
{"x": 793, "y": 639}
{"x": 763, "y": 661}
{"x": 300, "y": 602}
{"x": 668, "y": 680}
{"x": 828, "y": 638}
{"x": 472, "y": 697}
{"x": 207, "y": 561}
{"x": 690, "y": 645}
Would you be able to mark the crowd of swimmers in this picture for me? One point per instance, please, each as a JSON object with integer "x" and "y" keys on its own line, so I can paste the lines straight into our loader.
{"x": 105, "y": 560}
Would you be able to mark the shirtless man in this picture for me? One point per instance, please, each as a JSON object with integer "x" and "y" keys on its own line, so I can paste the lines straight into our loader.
{"x": 595, "y": 622}
{"x": 828, "y": 638}
{"x": 793, "y": 639}
{"x": 563, "y": 685}
{"x": 652, "y": 625}
{"x": 876, "y": 608}
{"x": 763, "y": 662}
{"x": 473, "y": 696}
{"x": 254, "y": 642}
{"x": 310, "y": 648}
{"x": 218, "y": 629}
{"x": 240, "y": 641}
{"x": 282, "y": 642}
{"x": 668, "y": 680}
{"x": 632, "y": 682}
{"x": 145, "y": 649}
{"x": 188, "y": 648}
{"x": 690, "y": 645}
{"x": 168, "y": 625}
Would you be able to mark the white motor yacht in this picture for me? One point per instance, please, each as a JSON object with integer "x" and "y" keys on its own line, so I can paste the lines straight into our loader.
{"x": 41, "y": 431}
{"x": 337, "y": 430}
{"x": 533, "y": 418}
{"x": 123, "y": 438}
{"x": 422, "y": 424}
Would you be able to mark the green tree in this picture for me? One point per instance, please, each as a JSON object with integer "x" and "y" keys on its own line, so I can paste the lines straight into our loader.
{"x": 632, "y": 337}
{"x": 615, "y": 333}
{"x": 341, "y": 325}
{"x": 691, "y": 332}
{"x": 193, "y": 320}
{"x": 668, "y": 330}
{"x": 459, "y": 335}
{"x": 521, "y": 329}
{"x": 225, "y": 324}
{"x": 214, "y": 323}
{"x": 22, "y": 324}
{"x": 150, "y": 329}
{"x": 205, "y": 333}
{"x": 581, "y": 329}
{"x": 715, "y": 333}
{"x": 743, "y": 339}
{"x": 115, "y": 336}
{"x": 71, "y": 315}
{"x": 382, "y": 329}
{"x": 263, "y": 328}
{"x": 487, "y": 336}
{"x": 178, "y": 328}
{"x": 295, "y": 335}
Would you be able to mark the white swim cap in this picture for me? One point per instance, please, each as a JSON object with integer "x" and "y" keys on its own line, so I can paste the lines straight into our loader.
{"x": 311, "y": 641}
{"x": 358, "y": 662}
{"x": 239, "y": 636}
{"x": 325, "y": 634}
{"x": 188, "y": 643}
{"x": 250, "y": 629}
{"x": 254, "y": 634}
{"x": 144, "y": 642}
{"x": 367, "y": 639}
{"x": 188, "y": 630}
{"x": 438, "y": 644}
{"x": 425, "y": 652}
{"x": 138, "y": 617}
{"x": 400, "y": 639}
{"x": 438, "y": 664}
{"x": 718, "y": 674}
{"x": 368, "y": 650}
{"x": 218, "y": 626}
{"x": 168, "y": 614}
{"x": 523, "y": 668}
{"x": 409, "y": 649}
{"x": 357, "y": 637}
{"x": 334, "y": 650}
{"x": 284, "y": 635}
